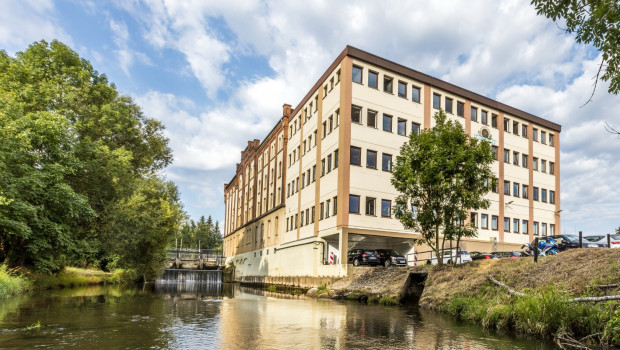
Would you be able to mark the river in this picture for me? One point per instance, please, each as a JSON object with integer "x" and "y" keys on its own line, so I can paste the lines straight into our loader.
{"x": 227, "y": 317}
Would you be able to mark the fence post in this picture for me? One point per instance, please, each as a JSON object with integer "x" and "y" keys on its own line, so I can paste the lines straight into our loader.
{"x": 580, "y": 239}
{"x": 608, "y": 240}
{"x": 536, "y": 250}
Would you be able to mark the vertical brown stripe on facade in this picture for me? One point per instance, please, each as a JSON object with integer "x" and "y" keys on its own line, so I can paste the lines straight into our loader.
{"x": 530, "y": 187}
{"x": 468, "y": 117}
{"x": 317, "y": 187}
{"x": 500, "y": 185}
{"x": 301, "y": 158}
{"x": 427, "y": 106}
{"x": 558, "y": 221}
{"x": 344, "y": 143}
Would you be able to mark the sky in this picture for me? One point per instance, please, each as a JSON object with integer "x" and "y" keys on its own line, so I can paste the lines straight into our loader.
{"x": 217, "y": 73}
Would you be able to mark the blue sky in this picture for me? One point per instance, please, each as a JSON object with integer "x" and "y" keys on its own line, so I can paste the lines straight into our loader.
{"x": 217, "y": 74}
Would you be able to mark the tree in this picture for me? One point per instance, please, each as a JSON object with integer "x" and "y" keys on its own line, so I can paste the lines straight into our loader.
{"x": 595, "y": 22}
{"x": 441, "y": 174}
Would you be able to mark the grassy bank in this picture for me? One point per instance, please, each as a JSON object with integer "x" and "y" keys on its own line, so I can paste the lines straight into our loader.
{"x": 544, "y": 310}
{"x": 12, "y": 282}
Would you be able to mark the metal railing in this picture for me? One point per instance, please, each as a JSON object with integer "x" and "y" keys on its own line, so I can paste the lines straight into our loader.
{"x": 209, "y": 255}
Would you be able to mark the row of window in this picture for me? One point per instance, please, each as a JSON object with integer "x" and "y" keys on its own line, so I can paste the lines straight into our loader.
{"x": 388, "y": 84}
{"x": 371, "y": 159}
{"x": 518, "y": 226}
{"x": 329, "y": 125}
{"x": 523, "y": 192}
{"x": 333, "y": 81}
{"x": 535, "y": 161}
{"x": 327, "y": 165}
{"x": 327, "y": 209}
{"x": 387, "y": 121}
{"x": 370, "y": 206}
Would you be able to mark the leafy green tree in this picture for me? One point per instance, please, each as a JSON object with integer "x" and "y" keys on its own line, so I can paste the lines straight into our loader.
{"x": 441, "y": 174}
{"x": 594, "y": 22}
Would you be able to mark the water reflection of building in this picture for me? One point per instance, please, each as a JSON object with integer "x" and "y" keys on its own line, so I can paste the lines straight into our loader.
{"x": 319, "y": 183}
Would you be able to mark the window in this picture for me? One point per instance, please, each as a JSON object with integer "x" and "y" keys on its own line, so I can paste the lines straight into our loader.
{"x": 386, "y": 162}
{"x": 415, "y": 94}
{"x": 495, "y": 186}
{"x": 331, "y": 84}
{"x": 524, "y": 225}
{"x": 313, "y": 173}
{"x": 401, "y": 128}
{"x": 551, "y": 168}
{"x": 552, "y": 197}
{"x": 356, "y": 156}
{"x": 373, "y": 79}
{"x": 483, "y": 117}
{"x": 323, "y": 167}
{"x": 506, "y": 125}
{"x": 371, "y": 118}
{"x": 331, "y": 124}
{"x": 315, "y": 133}
{"x": 515, "y": 189}
{"x": 494, "y": 149}
{"x": 371, "y": 159}
{"x": 402, "y": 89}
{"x": 494, "y": 120}
{"x": 543, "y": 165}
{"x": 515, "y": 158}
{"x": 535, "y": 163}
{"x": 507, "y": 156}
{"x": 387, "y": 123}
{"x": 321, "y": 213}
{"x": 329, "y": 163}
{"x": 543, "y": 195}
{"x": 415, "y": 128}
{"x": 551, "y": 229}
{"x": 370, "y": 206}
{"x": 506, "y": 224}
{"x": 313, "y": 211}
{"x": 308, "y": 178}
{"x": 543, "y": 138}
{"x": 524, "y": 191}
{"x": 448, "y": 105}
{"x": 354, "y": 204}
{"x": 524, "y": 130}
{"x": 307, "y": 216}
{"x": 436, "y": 101}
{"x": 338, "y": 76}
{"x": 337, "y": 117}
{"x": 551, "y": 140}
{"x": 335, "y": 205}
{"x": 507, "y": 187}
{"x": 535, "y": 134}
{"x": 335, "y": 159}
{"x": 356, "y": 114}
{"x": 474, "y": 114}
{"x": 473, "y": 219}
{"x": 535, "y": 193}
{"x": 536, "y": 228}
{"x": 515, "y": 128}
{"x": 303, "y": 180}
{"x": 302, "y": 219}
{"x": 515, "y": 225}
{"x": 387, "y": 84}
{"x": 327, "y": 208}
{"x": 524, "y": 160}
{"x": 494, "y": 222}
{"x": 484, "y": 221}
{"x": 460, "y": 109}
{"x": 324, "y": 129}
{"x": 386, "y": 208}
{"x": 357, "y": 74}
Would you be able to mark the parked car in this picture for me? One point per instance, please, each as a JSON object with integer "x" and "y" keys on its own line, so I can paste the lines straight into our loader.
{"x": 389, "y": 257}
{"x": 482, "y": 256}
{"x": 508, "y": 254}
{"x": 460, "y": 257}
{"x": 572, "y": 241}
{"x": 359, "y": 257}
{"x": 601, "y": 240}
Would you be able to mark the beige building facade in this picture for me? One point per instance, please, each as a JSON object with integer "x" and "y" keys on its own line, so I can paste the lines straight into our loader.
{"x": 319, "y": 184}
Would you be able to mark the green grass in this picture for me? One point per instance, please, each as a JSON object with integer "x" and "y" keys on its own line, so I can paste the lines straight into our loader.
{"x": 388, "y": 300}
{"x": 272, "y": 288}
{"x": 73, "y": 277}
{"x": 12, "y": 282}
{"x": 322, "y": 289}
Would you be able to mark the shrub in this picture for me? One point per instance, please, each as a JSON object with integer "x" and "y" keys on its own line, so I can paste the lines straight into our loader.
{"x": 11, "y": 282}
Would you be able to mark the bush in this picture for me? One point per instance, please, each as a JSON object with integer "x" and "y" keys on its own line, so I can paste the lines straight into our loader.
{"x": 11, "y": 282}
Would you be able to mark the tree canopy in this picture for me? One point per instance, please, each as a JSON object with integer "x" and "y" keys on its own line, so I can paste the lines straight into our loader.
{"x": 78, "y": 166}
{"x": 202, "y": 234}
{"x": 441, "y": 174}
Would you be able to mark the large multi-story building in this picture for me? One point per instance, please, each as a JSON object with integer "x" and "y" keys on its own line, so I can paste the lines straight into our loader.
{"x": 319, "y": 183}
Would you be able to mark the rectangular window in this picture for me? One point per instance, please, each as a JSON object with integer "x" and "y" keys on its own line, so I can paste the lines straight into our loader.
{"x": 327, "y": 208}
{"x": 535, "y": 134}
{"x": 506, "y": 224}
{"x": 460, "y": 109}
{"x": 307, "y": 216}
{"x": 448, "y": 105}
{"x": 324, "y": 129}
{"x": 543, "y": 195}
{"x": 302, "y": 219}
{"x": 495, "y": 186}
{"x": 515, "y": 158}
{"x": 313, "y": 173}
{"x": 329, "y": 163}
{"x": 535, "y": 193}
{"x": 354, "y": 204}
{"x": 415, "y": 128}
{"x": 474, "y": 114}
{"x": 357, "y": 74}
{"x": 506, "y": 125}
{"x": 551, "y": 229}
{"x": 371, "y": 119}
{"x": 552, "y": 197}
{"x": 370, "y": 206}
{"x": 356, "y": 156}
{"x": 483, "y": 117}
{"x": 387, "y": 123}
{"x": 515, "y": 128}
{"x": 515, "y": 189}
{"x": 373, "y": 79}
{"x": 536, "y": 228}
{"x": 551, "y": 140}
{"x": 387, "y": 84}
{"x": 323, "y": 167}
{"x": 507, "y": 156}
{"x": 484, "y": 221}
{"x": 494, "y": 120}
{"x": 524, "y": 160}
{"x": 371, "y": 159}
{"x": 494, "y": 220}
{"x": 386, "y": 208}
{"x": 401, "y": 128}
{"x": 386, "y": 162}
{"x": 415, "y": 94}
{"x": 543, "y": 138}
{"x": 524, "y": 225}
{"x": 494, "y": 149}
{"x": 524, "y": 130}
{"x": 551, "y": 168}
{"x": 308, "y": 178}
{"x": 303, "y": 180}
{"x": 402, "y": 89}
{"x": 524, "y": 191}
{"x": 436, "y": 101}
{"x": 335, "y": 159}
{"x": 313, "y": 211}
{"x": 473, "y": 219}
{"x": 535, "y": 163}
{"x": 515, "y": 225}
{"x": 543, "y": 165}
{"x": 322, "y": 212}
{"x": 335, "y": 205}
{"x": 331, "y": 124}
{"x": 507, "y": 187}
{"x": 356, "y": 114}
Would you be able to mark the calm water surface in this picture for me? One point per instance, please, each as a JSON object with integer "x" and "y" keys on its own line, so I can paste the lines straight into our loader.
{"x": 227, "y": 317}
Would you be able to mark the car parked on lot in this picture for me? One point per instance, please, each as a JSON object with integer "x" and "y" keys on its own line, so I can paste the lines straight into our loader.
{"x": 508, "y": 254}
{"x": 359, "y": 257}
{"x": 572, "y": 241}
{"x": 601, "y": 240}
{"x": 389, "y": 257}
{"x": 459, "y": 257}
{"x": 482, "y": 256}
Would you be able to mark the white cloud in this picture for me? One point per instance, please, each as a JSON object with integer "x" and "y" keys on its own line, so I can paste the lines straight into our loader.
{"x": 125, "y": 55}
